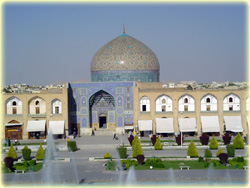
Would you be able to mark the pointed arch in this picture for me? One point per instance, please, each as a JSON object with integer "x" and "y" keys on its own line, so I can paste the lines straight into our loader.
{"x": 186, "y": 102}
{"x": 163, "y": 103}
{"x": 209, "y": 103}
{"x": 231, "y": 102}
{"x": 144, "y": 104}
{"x": 37, "y": 105}
{"x": 13, "y": 105}
{"x": 56, "y": 106}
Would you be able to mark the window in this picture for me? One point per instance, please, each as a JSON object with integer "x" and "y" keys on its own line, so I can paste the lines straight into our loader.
{"x": 208, "y": 100}
{"x": 144, "y": 108}
{"x": 208, "y": 107}
{"x": 14, "y": 103}
{"x": 37, "y": 110}
{"x": 14, "y": 110}
{"x": 163, "y": 108}
{"x": 185, "y": 100}
{"x": 37, "y": 102}
{"x": 230, "y": 99}
{"x": 57, "y": 110}
{"x": 163, "y": 101}
{"x": 185, "y": 108}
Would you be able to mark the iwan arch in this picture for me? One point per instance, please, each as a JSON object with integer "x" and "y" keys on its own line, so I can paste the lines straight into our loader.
{"x": 125, "y": 95}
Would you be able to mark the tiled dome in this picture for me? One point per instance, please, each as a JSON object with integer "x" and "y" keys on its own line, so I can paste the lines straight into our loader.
{"x": 125, "y": 59}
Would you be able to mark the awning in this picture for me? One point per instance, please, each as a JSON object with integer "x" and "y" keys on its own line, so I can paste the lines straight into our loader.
{"x": 34, "y": 126}
{"x": 187, "y": 124}
{"x": 164, "y": 125}
{"x": 13, "y": 124}
{"x": 129, "y": 127}
{"x": 145, "y": 125}
{"x": 233, "y": 123}
{"x": 56, "y": 127}
{"x": 210, "y": 124}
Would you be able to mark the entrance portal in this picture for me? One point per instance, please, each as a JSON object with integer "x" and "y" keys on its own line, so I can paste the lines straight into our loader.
{"x": 102, "y": 122}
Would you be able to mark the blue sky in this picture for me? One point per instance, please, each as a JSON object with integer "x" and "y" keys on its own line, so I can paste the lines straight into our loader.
{"x": 54, "y": 43}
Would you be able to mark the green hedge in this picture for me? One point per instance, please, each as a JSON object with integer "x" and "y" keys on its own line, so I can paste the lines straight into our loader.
{"x": 26, "y": 153}
{"x": 71, "y": 145}
{"x": 107, "y": 155}
{"x": 12, "y": 152}
{"x": 40, "y": 153}
{"x": 230, "y": 150}
{"x": 122, "y": 150}
{"x": 157, "y": 145}
{"x": 192, "y": 150}
{"x": 220, "y": 150}
{"x": 156, "y": 163}
{"x": 238, "y": 142}
{"x": 129, "y": 163}
{"x": 213, "y": 144}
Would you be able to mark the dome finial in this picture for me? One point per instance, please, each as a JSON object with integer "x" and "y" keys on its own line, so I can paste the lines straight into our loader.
{"x": 123, "y": 29}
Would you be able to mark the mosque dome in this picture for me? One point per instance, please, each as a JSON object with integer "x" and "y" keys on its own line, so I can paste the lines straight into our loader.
{"x": 125, "y": 59}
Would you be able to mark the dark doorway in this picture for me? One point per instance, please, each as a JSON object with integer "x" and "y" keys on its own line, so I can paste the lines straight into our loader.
{"x": 102, "y": 122}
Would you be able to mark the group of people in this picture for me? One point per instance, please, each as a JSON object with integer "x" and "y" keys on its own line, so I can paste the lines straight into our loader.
{"x": 7, "y": 142}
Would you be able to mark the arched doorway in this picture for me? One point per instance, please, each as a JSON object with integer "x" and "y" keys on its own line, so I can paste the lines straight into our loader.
{"x": 13, "y": 130}
{"x": 101, "y": 110}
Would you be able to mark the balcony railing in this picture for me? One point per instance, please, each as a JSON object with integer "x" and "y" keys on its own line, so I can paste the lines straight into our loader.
{"x": 37, "y": 115}
{"x": 13, "y": 115}
{"x": 164, "y": 112}
{"x": 231, "y": 111}
{"x": 186, "y": 112}
{"x": 209, "y": 111}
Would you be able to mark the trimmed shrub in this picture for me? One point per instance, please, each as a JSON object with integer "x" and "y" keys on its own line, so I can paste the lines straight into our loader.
{"x": 240, "y": 159}
{"x": 12, "y": 152}
{"x": 238, "y": 142}
{"x": 153, "y": 139}
{"x": 157, "y": 144}
{"x": 122, "y": 150}
{"x": 71, "y": 145}
{"x": 230, "y": 150}
{"x": 129, "y": 163}
{"x": 207, "y": 153}
{"x": 178, "y": 139}
{"x": 26, "y": 153}
{"x": 20, "y": 166}
{"x": 223, "y": 158}
{"x": 135, "y": 141}
{"x": 215, "y": 162}
{"x": 107, "y": 155}
{"x": 200, "y": 159}
{"x": 204, "y": 138}
{"x": 9, "y": 162}
{"x": 206, "y": 164}
{"x": 220, "y": 150}
{"x": 156, "y": 163}
{"x": 213, "y": 143}
{"x": 40, "y": 153}
{"x": 140, "y": 159}
{"x": 192, "y": 150}
{"x": 130, "y": 139}
{"x": 32, "y": 162}
{"x": 226, "y": 139}
{"x": 137, "y": 150}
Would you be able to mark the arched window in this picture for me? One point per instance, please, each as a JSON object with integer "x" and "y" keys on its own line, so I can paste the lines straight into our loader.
{"x": 163, "y": 101}
{"x": 145, "y": 104}
{"x": 230, "y": 99}
{"x": 14, "y": 103}
{"x": 208, "y": 100}
{"x": 56, "y": 107}
{"x": 37, "y": 102}
{"x": 37, "y": 105}
{"x": 185, "y": 100}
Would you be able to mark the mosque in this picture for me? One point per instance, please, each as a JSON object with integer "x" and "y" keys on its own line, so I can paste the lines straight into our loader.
{"x": 125, "y": 94}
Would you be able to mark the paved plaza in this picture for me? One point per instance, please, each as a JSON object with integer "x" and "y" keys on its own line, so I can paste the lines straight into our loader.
{"x": 81, "y": 170}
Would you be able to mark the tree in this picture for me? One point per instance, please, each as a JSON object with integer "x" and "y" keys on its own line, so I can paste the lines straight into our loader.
{"x": 12, "y": 152}
{"x": 107, "y": 155}
{"x": 220, "y": 150}
{"x": 40, "y": 153}
{"x": 137, "y": 150}
{"x": 238, "y": 142}
{"x": 158, "y": 144}
{"x": 192, "y": 150}
{"x": 26, "y": 153}
{"x": 213, "y": 143}
{"x": 135, "y": 140}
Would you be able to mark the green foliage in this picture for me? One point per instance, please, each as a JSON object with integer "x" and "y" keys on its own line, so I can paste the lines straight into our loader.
{"x": 137, "y": 150}
{"x": 135, "y": 141}
{"x": 20, "y": 166}
{"x": 32, "y": 162}
{"x": 26, "y": 153}
{"x": 213, "y": 144}
{"x": 156, "y": 163}
{"x": 220, "y": 150}
{"x": 71, "y": 145}
{"x": 40, "y": 153}
{"x": 206, "y": 164}
{"x": 192, "y": 150}
{"x": 215, "y": 162}
{"x": 12, "y": 152}
{"x": 158, "y": 144}
{"x": 129, "y": 163}
{"x": 207, "y": 153}
{"x": 122, "y": 150}
{"x": 230, "y": 150}
{"x": 200, "y": 159}
{"x": 238, "y": 142}
{"x": 107, "y": 155}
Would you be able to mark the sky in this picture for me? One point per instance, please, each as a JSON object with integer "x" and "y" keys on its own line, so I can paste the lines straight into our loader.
{"x": 54, "y": 43}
